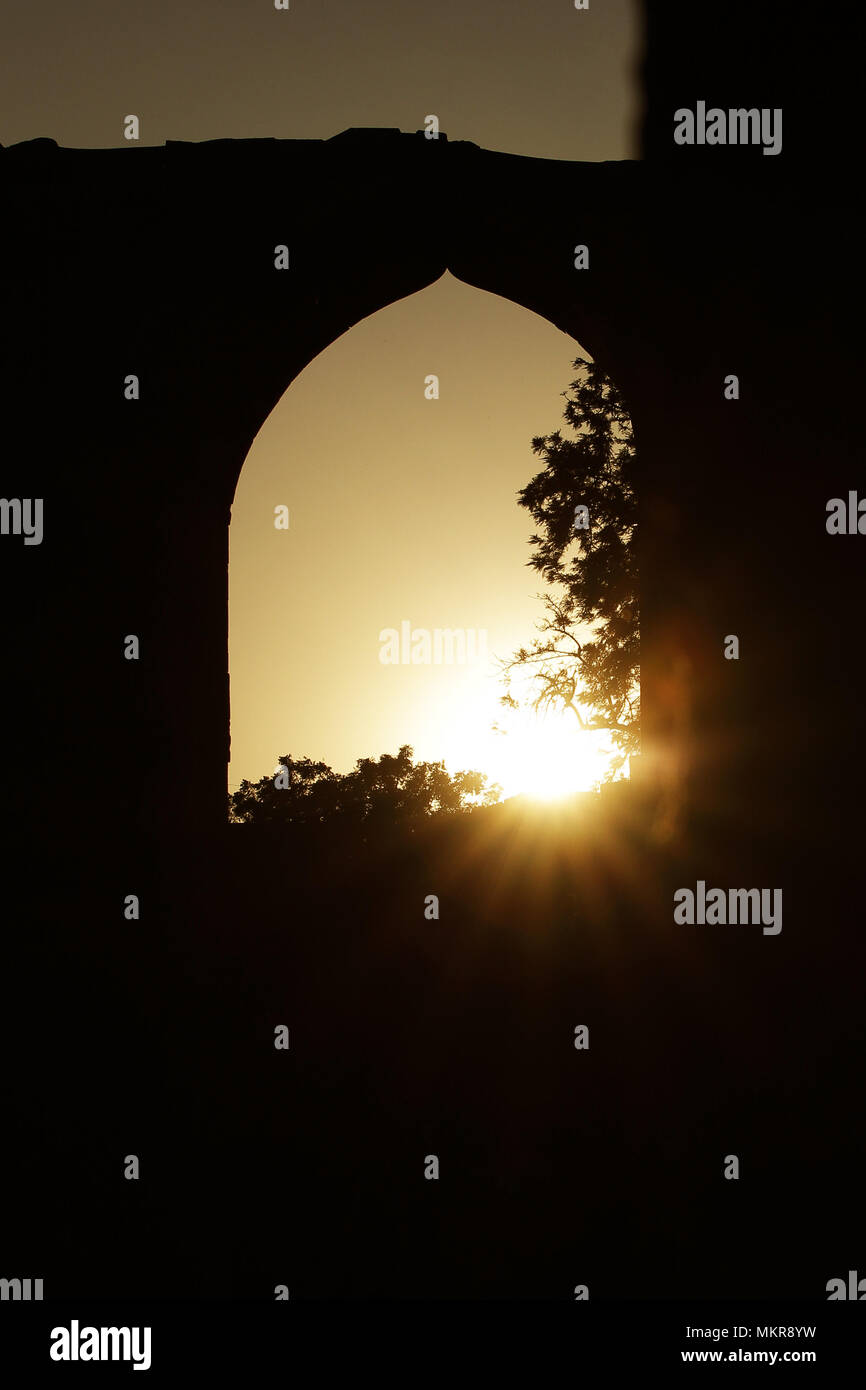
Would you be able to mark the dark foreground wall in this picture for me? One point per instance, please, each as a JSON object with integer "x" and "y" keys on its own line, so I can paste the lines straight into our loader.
{"x": 160, "y": 262}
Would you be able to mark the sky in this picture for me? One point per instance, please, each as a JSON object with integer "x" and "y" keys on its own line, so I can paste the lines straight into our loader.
{"x": 539, "y": 78}
{"x": 401, "y": 509}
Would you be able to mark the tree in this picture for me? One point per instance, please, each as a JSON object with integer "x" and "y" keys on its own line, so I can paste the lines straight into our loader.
{"x": 309, "y": 796}
{"x": 584, "y": 502}
{"x": 381, "y": 790}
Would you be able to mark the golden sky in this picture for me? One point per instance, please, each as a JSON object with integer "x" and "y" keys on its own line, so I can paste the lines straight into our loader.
{"x": 536, "y": 78}
{"x": 401, "y": 509}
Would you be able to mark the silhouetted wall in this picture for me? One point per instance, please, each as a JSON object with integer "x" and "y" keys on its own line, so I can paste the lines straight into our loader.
{"x": 160, "y": 262}
{"x": 155, "y": 1036}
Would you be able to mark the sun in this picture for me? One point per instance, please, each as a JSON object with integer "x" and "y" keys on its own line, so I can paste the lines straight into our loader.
{"x": 547, "y": 756}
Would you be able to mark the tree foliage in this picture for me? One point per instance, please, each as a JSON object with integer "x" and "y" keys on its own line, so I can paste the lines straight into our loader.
{"x": 587, "y": 658}
{"x": 384, "y": 790}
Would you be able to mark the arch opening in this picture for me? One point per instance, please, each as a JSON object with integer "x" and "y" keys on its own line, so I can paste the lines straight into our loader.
{"x": 378, "y": 577}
